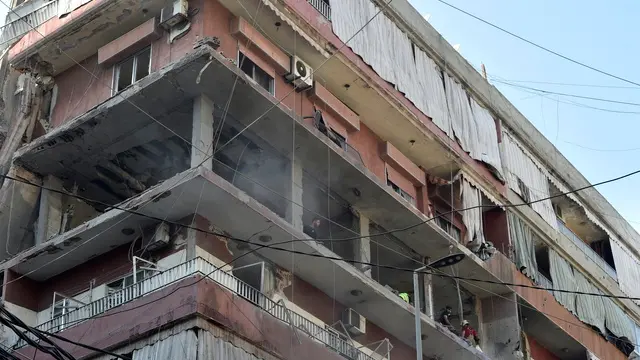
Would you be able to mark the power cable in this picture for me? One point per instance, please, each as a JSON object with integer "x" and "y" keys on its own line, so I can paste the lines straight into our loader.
{"x": 207, "y": 157}
{"x": 134, "y": 212}
{"x": 539, "y": 46}
{"x": 567, "y": 94}
{"x": 295, "y": 87}
{"x": 570, "y": 102}
{"x": 343, "y": 239}
{"x": 10, "y": 319}
{"x": 566, "y": 84}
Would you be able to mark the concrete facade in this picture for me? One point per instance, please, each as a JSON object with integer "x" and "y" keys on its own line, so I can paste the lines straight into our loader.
{"x": 212, "y": 168}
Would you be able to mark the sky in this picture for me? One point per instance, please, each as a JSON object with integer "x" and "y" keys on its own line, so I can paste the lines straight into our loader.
{"x": 600, "y": 144}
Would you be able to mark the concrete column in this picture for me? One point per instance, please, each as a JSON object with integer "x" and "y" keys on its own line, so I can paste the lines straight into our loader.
{"x": 500, "y": 328}
{"x": 428, "y": 292}
{"x": 202, "y": 132}
{"x": 362, "y": 246}
{"x": 294, "y": 192}
{"x": 51, "y": 211}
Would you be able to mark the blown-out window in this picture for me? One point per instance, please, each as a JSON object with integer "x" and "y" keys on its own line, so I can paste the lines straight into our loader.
{"x": 256, "y": 73}
{"x": 131, "y": 70}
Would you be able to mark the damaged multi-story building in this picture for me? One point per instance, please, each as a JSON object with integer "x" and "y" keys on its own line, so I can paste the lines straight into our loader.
{"x": 262, "y": 179}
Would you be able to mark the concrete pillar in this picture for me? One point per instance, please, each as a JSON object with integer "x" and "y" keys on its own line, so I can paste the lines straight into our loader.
{"x": 294, "y": 191}
{"x": 500, "y": 327}
{"x": 202, "y": 132}
{"x": 362, "y": 246}
{"x": 427, "y": 280}
{"x": 51, "y": 211}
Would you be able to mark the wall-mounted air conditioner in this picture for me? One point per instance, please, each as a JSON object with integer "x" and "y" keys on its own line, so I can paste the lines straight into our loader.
{"x": 355, "y": 323}
{"x": 173, "y": 14}
{"x": 161, "y": 238}
{"x": 300, "y": 74}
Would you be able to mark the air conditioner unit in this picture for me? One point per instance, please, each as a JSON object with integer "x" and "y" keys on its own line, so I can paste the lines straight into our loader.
{"x": 355, "y": 323}
{"x": 173, "y": 14}
{"x": 160, "y": 239}
{"x": 301, "y": 74}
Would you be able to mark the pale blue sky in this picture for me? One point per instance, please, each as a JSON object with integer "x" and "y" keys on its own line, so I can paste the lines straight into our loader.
{"x": 600, "y": 34}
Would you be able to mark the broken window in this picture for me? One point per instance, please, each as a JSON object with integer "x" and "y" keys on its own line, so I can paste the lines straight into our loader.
{"x": 131, "y": 70}
{"x": 524, "y": 191}
{"x": 446, "y": 225}
{"x": 256, "y": 73}
{"x": 405, "y": 195}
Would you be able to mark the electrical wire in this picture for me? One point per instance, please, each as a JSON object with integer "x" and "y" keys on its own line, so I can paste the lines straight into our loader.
{"x": 10, "y": 320}
{"x": 567, "y": 94}
{"x": 539, "y": 46}
{"x": 566, "y": 84}
{"x": 295, "y": 87}
{"x": 343, "y": 239}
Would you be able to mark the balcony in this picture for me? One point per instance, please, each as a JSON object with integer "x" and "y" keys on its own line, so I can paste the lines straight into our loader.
{"x": 323, "y": 7}
{"x": 228, "y": 281}
{"x": 587, "y": 250}
{"x": 25, "y": 17}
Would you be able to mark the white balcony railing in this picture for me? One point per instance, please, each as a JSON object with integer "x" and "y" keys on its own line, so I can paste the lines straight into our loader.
{"x": 25, "y": 18}
{"x": 322, "y": 6}
{"x": 225, "y": 279}
{"x": 587, "y": 250}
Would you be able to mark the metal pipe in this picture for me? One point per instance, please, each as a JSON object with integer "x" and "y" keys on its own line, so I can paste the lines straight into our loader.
{"x": 416, "y": 308}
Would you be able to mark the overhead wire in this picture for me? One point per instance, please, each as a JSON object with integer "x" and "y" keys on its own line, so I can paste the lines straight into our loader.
{"x": 343, "y": 239}
{"x": 207, "y": 157}
{"x": 295, "y": 87}
{"x": 539, "y": 46}
{"x": 581, "y": 325}
{"x": 567, "y": 94}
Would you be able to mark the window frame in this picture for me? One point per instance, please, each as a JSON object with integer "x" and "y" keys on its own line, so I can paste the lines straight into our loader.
{"x": 134, "y": 69}
{"x": 272, "y": 81}
{"x": 398, "y": 190}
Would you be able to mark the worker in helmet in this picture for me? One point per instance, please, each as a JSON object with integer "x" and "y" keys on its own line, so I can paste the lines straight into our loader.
{"x": 469, "y": 334}
{"x": 404, "y": 296}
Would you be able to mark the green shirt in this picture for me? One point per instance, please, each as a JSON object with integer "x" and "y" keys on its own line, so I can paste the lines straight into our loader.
{"x": 404, "y": 296}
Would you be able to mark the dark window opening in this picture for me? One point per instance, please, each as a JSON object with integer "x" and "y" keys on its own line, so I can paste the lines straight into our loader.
{"x": 413, "y": 51}
{"x": 603, "y": 249}
{"x": 524, "y": 191}
{"x": 544, "y": 266}
{"x": 256, "y": 73}
{"x": 132, "y": 69}
{"x": 405, "y": 195}
{"x": 445, "y": 224}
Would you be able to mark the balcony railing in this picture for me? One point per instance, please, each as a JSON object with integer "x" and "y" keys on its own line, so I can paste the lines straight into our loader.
{"x": 587, "y": 250}
{"x": 322, "y": 6}
{"x": 25, "y": 17}
{"x": 235, "y": 285}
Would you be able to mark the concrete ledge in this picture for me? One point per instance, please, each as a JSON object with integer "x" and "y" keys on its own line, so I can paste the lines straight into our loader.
{"x": 401, "y": 163}
{"x": 243, "y": 31}
{"x": 349, "y": 118}
{"x": 129, "y": 43}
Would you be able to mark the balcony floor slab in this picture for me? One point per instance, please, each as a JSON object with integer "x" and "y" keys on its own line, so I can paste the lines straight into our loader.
{"x": 80, "y": 143}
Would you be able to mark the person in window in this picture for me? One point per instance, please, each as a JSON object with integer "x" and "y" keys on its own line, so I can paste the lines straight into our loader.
{"x": 469, "y": 334}
{"x": 445, "y": 319}
{"x": 314, "y": 229}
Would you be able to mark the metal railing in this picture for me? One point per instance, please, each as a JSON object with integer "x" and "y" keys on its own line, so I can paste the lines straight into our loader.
{"x": 225, "y": 279}
{"x": 323, "y": 7}
{"x": 26, "y": 17}
{"x": 587, "y": 250}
